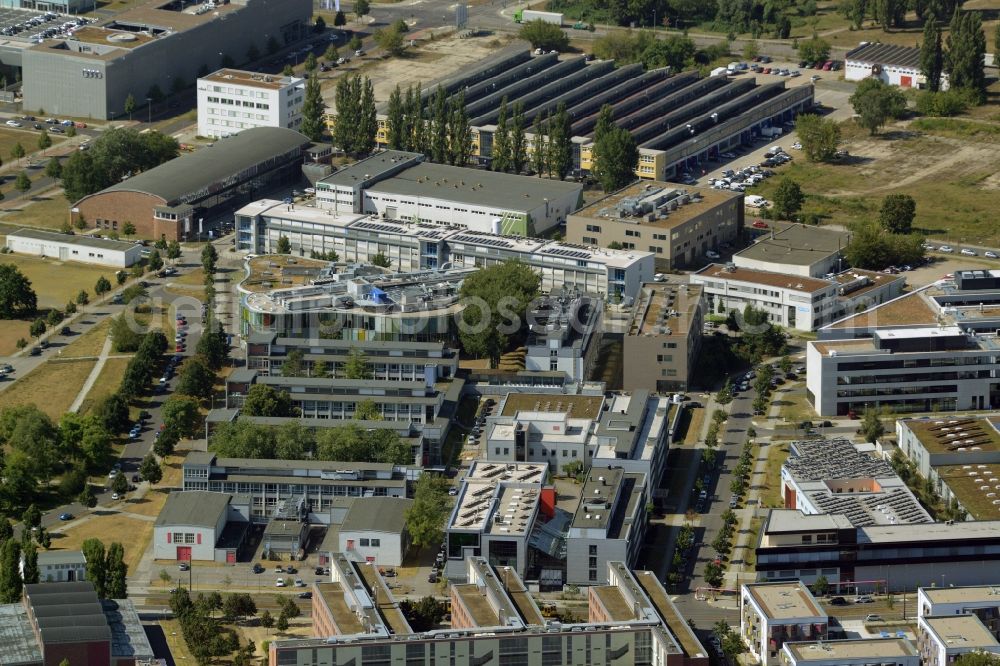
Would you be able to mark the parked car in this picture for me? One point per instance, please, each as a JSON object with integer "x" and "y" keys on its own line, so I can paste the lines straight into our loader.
{"x": 57, "y": 130}
{"x": 280, "y": 582}
{"x": 14, "y": 123}
{"x": 839, "y": 601}
{"x": 873, "y": 617}
{"x": 184, "y": 566}
{"x": 990, "y": 254}
{"x": 305, "y": 595}
{"x": 967, "y": 252}
{"x": 711, "y": 254}
{"x": 65, "y": 516}
{"x": 946, "y": 248}
{"x": 257, "y": 568}
{"x": 864, "y": 599}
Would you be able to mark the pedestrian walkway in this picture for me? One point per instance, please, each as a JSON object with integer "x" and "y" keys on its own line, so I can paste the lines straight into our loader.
{"x": 92, "y": 378}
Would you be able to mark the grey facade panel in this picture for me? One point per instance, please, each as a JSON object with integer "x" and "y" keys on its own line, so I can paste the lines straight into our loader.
{"x": 50, "y": 73}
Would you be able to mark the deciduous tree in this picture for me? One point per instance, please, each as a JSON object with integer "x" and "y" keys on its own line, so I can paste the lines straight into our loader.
{"x": 17, "y": 298}
{"x": 966, "y": 49}
{"x": 876, "y": 103}
{"x": 788, "y": 199}
{"x": 545, "y": 36}
{"x": 264, "y": 400}
{"x": 425, "y": 517}
{"x": 312, "y": 109}
{"x": 897, "y": 213}
{"x": 819, "y": 136}
{"x": 180, "y": 412}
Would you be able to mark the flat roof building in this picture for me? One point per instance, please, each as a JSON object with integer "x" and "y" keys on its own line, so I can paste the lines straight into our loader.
{"x": 149, "y": 44}
{"x": 412, "y": 247}
{"x": 772, "y": 614}
{"x": 982, "y": 601}
{"x": 795, "y": 301}
{"x": 796, "y": 249}
{"x": 796, "y": 546}
{"x": 630, "y": 620}
{"x": 270, "y": 483}
{"x": 564, "y": 335}
{"x": 232, "y": 100}
{"x": 169, "y": 201}
{"x": 930, "y": 350}
{"x": 71, "y": 247}
{"x": 663, "y": 338}
{"x": 200, "y": 525}
{"x": 677, "y": 223}
{"x": 398, "y": 185}
{"x": 833, "y": 476}
{"x": 853, "y": 652}
{"x": 944, "y": 638}
{"x": 960, "y": 456}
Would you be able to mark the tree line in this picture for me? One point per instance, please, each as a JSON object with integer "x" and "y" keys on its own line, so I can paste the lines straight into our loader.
{"x": 293, "y": 441}
{"x": 205, "y": 634}
{"x": 962, "y": 60}
{"x": 116, "y": 154}
{"x": 437, "y": 127}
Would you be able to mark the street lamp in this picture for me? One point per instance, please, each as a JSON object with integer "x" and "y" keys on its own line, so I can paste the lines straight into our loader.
{"x": 149, "y": 108}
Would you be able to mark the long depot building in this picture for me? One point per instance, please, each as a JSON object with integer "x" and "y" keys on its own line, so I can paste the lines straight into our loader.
{"x": 169, "y": 201}
{"x": 679, "y": 120}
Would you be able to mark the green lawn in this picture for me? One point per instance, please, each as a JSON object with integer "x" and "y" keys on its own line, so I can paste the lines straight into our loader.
{"x": 56, "y": 282}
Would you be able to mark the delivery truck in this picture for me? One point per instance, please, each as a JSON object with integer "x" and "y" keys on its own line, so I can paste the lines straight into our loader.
{"x": 528, "y": 15}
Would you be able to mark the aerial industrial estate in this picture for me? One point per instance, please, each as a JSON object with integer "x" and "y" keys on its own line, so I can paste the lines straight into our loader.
{"x": 426, "y": 333}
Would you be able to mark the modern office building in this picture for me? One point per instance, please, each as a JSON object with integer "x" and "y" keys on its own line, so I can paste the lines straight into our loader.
{"x": 931, "y": 350}
{"x": 232, "y": 100}
{"x": 424, "y": 403}
{"x": 170, "y": 201}
{"x": 891, "y": 64}
{"x": 835, "y": 477}
{"x": 960, "y": 456}
{"x": 677, "y": 223}
{"x": 983, "y": 601}
{"x": 624, "y": 430}
{"x": 67, "y": 247}
{"x": 397, "y": 185}
{"x": 772, "y": 614}
{"x": 150, "y": 45}
{"x": 414, "y": 247}
{"x": 298, "y": 297}
{"x": 386, "y": 360}
{"x": 794, "y": 301}
{"x": 564, "y": 335}
{"x": 851, "y": 652}
{"x": 272, "y": 483}
{"x": 630, "y": 620}
{"x": 201, "y": 525}
{"x": 663, "y": 338}
{"x": 66, "y": 622}
{"x": 796, "y": 249}
{"x": 678, "y": 120}
{"x": 944, "y": 638}
{"x": 795, "y": 546}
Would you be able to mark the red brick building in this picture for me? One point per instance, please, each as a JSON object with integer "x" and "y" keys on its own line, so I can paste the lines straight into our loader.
{"x": 170, "y": 200}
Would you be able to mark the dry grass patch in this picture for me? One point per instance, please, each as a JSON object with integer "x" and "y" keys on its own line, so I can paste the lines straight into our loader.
{"x": 695, "y": 418}
{"x": 175, "y": 641}
{"x": 106, "y": 383}
{"x": 47, "y": 211}
{"x": 90, "y": 343}
{"x": 777, "y": 454}
{"x": 52, "y": 386}
{"x": 131, "y": 532}
{"x": 12, "y": 330}
{"x": 57, "y": 282}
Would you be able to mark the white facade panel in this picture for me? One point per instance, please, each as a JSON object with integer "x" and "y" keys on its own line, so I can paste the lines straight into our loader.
{"x": 227, "y": 106}
{"x": 75, "y": 251}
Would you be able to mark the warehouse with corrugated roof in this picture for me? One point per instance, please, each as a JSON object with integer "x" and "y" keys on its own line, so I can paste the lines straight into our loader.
{"x": 169, "y": 201}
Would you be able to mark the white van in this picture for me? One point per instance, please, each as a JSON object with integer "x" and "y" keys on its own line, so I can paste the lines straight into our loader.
{"x": 755, "y": 201}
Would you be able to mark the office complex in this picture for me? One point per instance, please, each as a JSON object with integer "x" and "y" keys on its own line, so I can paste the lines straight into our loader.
{"x": 397, "y": 185}
{"x": 564, "y": 335}
{"x": 232, "y": 100}
{"x": 170, "y": 201}
{"x": 934, "y": 349}
{"x": 796, "y": 546}
{"x": 773, "y": 613}
{"x": 795, "y": 301}
{"x": 851, "y": 652}
{"x": 630, "y": 620}
{"x": 796, "y": 249}
{"x": 270, "y": 483}
{"x": 161, "y": 44}
{"x": 833, "y": 476}
{"x": 663, "y": 337}
{"x": 677, "y": 223}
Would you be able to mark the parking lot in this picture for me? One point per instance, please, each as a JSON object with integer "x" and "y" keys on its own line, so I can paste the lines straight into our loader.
{"x": 28, "y": 26}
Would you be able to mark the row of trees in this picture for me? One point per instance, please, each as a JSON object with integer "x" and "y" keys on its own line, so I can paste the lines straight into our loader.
{"x": 963, "y": 59}
{"x": 674, "y": 51}
{"x": 355, "y": 366}
{"x": 106, "y": 568}
{"x": 437, "y": 126}
{"x": 206, "y": 637}
{"x": 293, "y": 441}
{"x": 355, "y": 127}
{"x": 116, "y": 154}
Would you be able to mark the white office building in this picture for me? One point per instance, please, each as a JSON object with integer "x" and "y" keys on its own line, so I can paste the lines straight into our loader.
{"x": 411, "y": 247}
{"x": 942, "y": 639}
{"x": 983, "y": 601}
{"x": 772, "y": 614}
{"x": 397, "y": 185}
{"x": 72, "y": 247}
{"x": 795, "y": 301}
{"x": 232, "y": 100}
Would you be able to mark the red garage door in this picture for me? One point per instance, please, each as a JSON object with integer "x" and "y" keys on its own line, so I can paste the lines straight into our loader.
{"x": 231, "y": 557}
{"x": 184, "y": 553}
{"x": 905, "y": 81}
